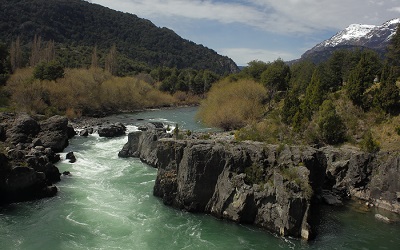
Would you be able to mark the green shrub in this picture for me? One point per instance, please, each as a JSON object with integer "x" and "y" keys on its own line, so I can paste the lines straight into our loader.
{"x": 369, "y": 144}
{"x": 397, "y": 129}
{"x": 205, "y": 136}
{"x": 291, "y": 174}
{"x": 48, "y": 71}
{"x": 254, "y": 175}
{"x": 331, "y": 126}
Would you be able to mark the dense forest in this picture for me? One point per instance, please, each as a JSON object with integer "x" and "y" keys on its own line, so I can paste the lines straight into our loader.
{"x": 77, "y": 27}
{"x": 352, "y": 97}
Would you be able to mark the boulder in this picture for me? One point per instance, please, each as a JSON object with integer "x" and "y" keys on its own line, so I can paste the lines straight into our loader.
{"x": 84, "y": 132}
{"x": 114, "y": 130}
{"x": 130, "y": 149}
{"x": 55, "y": 123}
{"x": 22, "y": 130}
{"x": 331, "y": 199}
{"x": 21, "y": 178}
{"x": 70, "y": 131}
{"x": 54, "y": 133}
{"x": 2, "y": 133}
{"x": 37, "y": 142}
{"x": 143, "y": 144}
{"x": 66, "y": 173}
{"x": 71, "y": 157}
{"x": 52, "y": 174}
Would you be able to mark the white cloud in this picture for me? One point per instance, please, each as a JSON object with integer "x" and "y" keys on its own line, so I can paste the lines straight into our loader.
{"x": 395, "y": 9}
{"x": 277, "y": 25}
{"x": 194, "y": 9}
{"x": 244, "y": 55}
{"x": 328, "y": 14}
{"x": 283, "y": 16}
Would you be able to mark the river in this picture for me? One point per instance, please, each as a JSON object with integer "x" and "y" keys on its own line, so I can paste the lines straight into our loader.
{"x": 107, "y": 203}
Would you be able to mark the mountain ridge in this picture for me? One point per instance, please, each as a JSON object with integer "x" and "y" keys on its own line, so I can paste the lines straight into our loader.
{"x": 362, "y": 36}
{"x": 81, "y": 23}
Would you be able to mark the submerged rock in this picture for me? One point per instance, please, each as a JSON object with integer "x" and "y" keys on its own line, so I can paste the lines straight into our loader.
{"x": 84, "y": 132}
{"x": 71, "y": 157}
{"x": 382, "y": 218}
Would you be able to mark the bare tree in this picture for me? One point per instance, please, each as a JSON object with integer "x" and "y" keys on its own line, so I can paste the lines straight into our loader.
{"x": 49, "y": 53}
{"x": 36, "y": 51}
{"x": 111, "y": 60}
{"x": 16, "y": 54}
{"x": 95, "y": 59}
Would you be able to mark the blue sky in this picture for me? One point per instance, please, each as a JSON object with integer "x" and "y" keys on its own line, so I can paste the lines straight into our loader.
{"x": 265, "y": 30}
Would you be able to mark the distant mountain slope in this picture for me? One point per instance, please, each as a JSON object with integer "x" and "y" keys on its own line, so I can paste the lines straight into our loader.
{"x": 80, "y": 23}
{"x": 355, "y": 36}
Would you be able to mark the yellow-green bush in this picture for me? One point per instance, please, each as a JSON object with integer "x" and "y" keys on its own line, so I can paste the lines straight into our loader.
{"x": 26, "y": 93}
{"x": 231, "y": 105}
{"x": 83, "y": 90}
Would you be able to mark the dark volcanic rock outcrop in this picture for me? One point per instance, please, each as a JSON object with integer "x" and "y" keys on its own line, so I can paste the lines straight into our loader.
{"x": 371, "y": 177}
{"x": 27, "y": 168}
{"x": 245, "y": 182}
{"x": 270, "y": 186}
{"x": 144, "y": 145}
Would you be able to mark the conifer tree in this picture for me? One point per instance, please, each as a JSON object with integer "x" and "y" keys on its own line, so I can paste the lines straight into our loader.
{"x": 388, "y": 95}
{"x": 393, "y": 54}
{"x": 361, "y": 78}
{"x": 291, "y": 106}
{"x": 331, "y": 127}
{"x": 276, "y": 76}
{"x": 315, "y": 94}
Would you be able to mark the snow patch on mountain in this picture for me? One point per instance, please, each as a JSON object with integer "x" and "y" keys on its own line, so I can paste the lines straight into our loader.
{"x": 359, "y": 34}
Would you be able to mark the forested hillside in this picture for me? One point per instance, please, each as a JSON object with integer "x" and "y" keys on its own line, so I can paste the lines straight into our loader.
{"x": 77, "y": 26}
{"x": 352, "y": 97}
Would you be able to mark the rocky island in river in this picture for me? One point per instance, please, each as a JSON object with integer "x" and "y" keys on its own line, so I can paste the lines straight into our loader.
{"x": 275, "y": 187}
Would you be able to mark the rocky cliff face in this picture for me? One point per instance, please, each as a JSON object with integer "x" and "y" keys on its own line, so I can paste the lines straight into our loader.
{"x": 275, "y": 187}
{"x": 371, "y": 177}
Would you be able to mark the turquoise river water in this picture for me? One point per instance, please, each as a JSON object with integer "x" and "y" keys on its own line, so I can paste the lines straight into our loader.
{"x": 107, "y": 203}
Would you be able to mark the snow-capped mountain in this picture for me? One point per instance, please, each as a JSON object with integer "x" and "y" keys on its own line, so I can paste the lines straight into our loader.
{"x": 375, "y": 37}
